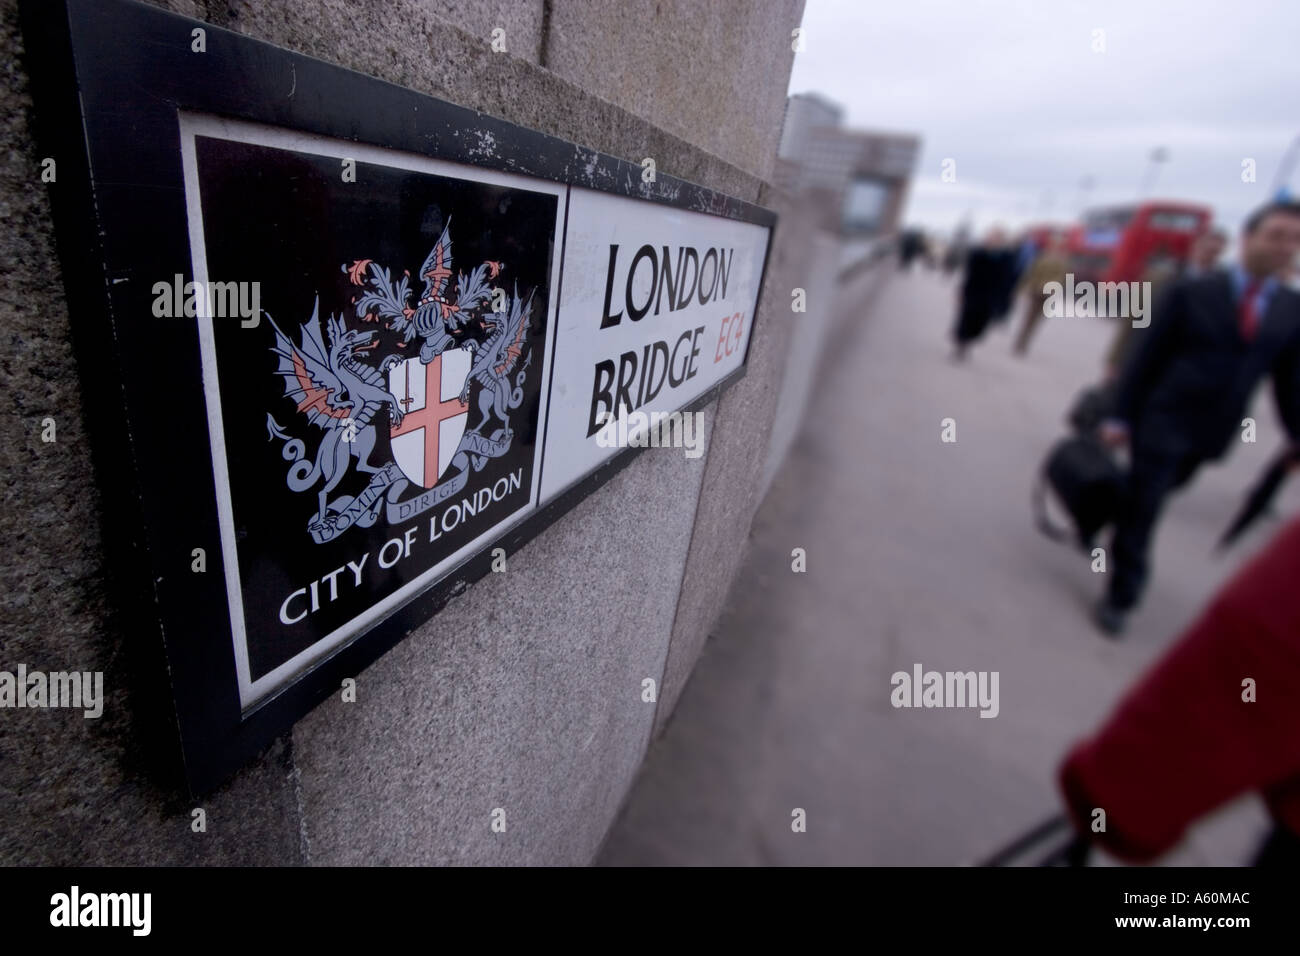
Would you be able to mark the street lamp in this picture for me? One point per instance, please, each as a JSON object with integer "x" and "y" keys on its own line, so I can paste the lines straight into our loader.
{"x": 1284, "y": 169}
{"x": 1158, "y": 156}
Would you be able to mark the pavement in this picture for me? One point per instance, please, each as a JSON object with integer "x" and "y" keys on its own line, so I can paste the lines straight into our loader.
{"x": 921, "y": 551}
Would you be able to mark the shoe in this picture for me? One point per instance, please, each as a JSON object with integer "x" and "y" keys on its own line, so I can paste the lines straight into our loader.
{"x": 1109, "y": 618}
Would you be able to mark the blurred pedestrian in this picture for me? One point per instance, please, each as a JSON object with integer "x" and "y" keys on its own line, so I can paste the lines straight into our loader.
{"x": 954, "y": 256}
{"x": 910, "y": 247}
{"x": 1022, "y": 255}
{"x": 1181, "y": 395}
{"x": 989, "y": 270}
{"x": 1050, "y": 266}
{"x": 1216, "y": 717}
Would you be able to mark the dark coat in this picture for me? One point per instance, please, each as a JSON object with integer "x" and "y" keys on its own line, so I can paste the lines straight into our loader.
{"x": 989, "y": 274}
{"x": 1189, "y": 377}
{"x": 1022, "y": 257}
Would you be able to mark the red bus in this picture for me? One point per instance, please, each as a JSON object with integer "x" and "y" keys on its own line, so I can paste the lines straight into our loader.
{"x": 1115, "y": 244}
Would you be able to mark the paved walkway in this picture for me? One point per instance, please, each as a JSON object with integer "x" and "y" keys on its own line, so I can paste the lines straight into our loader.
{"x": 918, "y": 552}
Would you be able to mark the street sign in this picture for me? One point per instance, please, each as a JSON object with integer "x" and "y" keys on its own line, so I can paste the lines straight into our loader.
{"x": 362, "y": 340}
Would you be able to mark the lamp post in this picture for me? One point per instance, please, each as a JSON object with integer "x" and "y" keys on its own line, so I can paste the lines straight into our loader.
{"x": 1284, "y": 168}
{"x": 1158, "y": 155}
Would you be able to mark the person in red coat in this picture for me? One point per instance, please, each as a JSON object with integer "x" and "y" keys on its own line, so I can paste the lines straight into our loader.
{"x": 1217, "y": 716}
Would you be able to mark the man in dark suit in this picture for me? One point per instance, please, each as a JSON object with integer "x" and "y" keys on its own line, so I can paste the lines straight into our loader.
{"x": 1189, "y": 379}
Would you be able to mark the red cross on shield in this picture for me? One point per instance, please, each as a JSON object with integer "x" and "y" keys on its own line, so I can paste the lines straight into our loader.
{"x": 434, "y": 416}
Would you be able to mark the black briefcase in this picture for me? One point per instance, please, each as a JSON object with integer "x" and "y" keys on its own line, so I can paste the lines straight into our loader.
{"x": 1081, "y": 478}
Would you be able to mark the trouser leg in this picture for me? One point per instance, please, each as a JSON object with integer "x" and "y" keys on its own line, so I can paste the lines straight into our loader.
{"x": 1033, "y": 313}
{"x": 1281, "y": 849}
{"x": 1149, "y": 483}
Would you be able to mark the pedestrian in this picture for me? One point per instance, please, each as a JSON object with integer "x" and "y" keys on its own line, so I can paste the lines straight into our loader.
{"x": 989, "y": 271}
{"x": 911, "y": 245}
{"x": 1180, "y": 398}
{"x": 958, "y": 249}
{"x": 1022, "y": 256}
{"x": 1216, "y": 717}
{"x": 1049, "y": 267}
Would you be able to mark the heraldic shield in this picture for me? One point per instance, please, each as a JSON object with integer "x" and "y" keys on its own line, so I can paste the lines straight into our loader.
{"x": 465, "y": 355}
{"x": 433, "y": 414}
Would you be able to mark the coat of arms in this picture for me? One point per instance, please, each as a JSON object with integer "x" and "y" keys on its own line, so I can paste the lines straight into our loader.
{"x": 443, "y": 390}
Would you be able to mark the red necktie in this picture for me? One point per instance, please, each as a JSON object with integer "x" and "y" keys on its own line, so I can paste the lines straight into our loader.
{"x": 1247, "y": 316}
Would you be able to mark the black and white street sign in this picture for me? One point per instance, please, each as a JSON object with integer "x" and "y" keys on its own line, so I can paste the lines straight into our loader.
{"x": 349, "y": 342}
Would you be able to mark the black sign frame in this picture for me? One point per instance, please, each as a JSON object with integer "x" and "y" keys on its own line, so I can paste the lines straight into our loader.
{"x": 109, "y": 78}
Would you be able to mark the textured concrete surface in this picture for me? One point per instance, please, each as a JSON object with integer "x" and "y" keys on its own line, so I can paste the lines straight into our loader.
{"x": 713, "y": 72}
{"x": 525, "y": 693}
{"x": 75, "y": 791}
{"x": 522, "y": 22}
{"x": 811, "y": 331}
{"x": 920, "y": 552}
{"x": 434, "y": 56}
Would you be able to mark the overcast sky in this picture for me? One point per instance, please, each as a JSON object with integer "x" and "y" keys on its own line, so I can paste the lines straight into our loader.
{"x": 1014, "y": 93}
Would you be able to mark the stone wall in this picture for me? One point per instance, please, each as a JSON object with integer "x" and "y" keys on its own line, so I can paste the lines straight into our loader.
{"x": 524, "y": 692}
